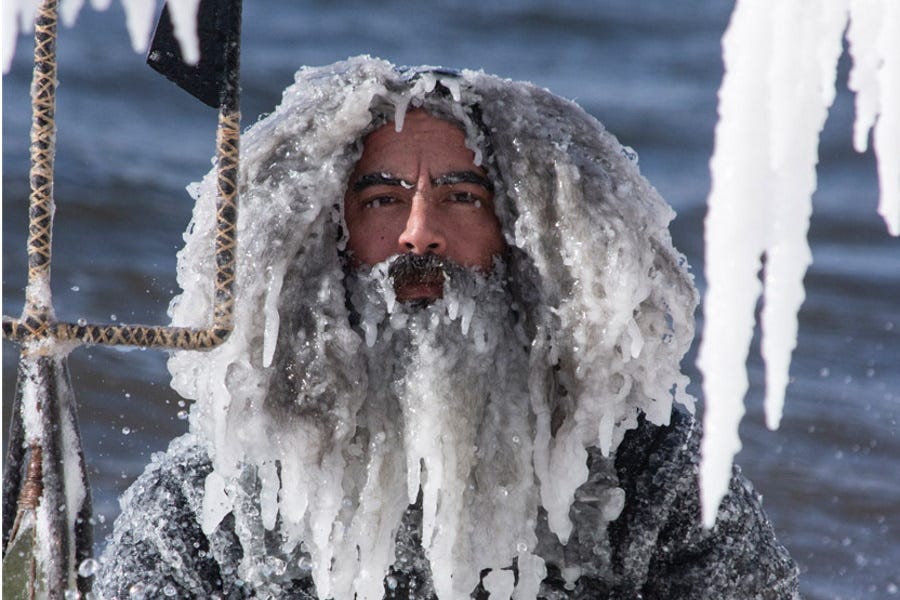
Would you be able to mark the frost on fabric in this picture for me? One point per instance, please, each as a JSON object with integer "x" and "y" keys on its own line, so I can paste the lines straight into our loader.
{"x": 325, "y": 419}
{"x": 157, "y": 548}
{"x": 781, "y": 63}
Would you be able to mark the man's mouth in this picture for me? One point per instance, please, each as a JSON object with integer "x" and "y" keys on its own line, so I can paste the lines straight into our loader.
{"x": 417, "y": 277}
{"x": 419, "y": 291}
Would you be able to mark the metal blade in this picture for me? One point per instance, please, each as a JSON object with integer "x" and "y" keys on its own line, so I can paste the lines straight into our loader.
{"x": 219, "y": 30}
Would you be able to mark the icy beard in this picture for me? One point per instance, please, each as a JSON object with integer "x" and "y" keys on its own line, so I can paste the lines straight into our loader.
{"x": 447, "y": 413}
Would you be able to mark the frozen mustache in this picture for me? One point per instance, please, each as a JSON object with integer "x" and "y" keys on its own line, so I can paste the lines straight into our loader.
{"x": 417, "y": 269}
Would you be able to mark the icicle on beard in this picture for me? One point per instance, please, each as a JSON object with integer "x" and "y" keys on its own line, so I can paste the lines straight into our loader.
{"x": 449, "y": 412}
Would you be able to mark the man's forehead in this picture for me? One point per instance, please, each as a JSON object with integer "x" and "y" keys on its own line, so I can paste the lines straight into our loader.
{"x": 417, "y": 126}
{"x": 395, "y": 157}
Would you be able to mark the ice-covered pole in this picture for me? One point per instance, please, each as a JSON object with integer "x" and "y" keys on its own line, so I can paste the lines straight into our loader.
{"x": 46, "y": 496}
{"x": 780, "y": 69}
{"x": 50, "y": 512}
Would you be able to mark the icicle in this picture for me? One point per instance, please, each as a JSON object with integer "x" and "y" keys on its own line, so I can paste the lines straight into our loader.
{"x": 781, "y": 61}
{"x": 807, "y": 45}
{"x": 874, "y": 37}
{"x": 735, "y": 229}
{"x": 499, "y": 584}
{"x": 184, "y": 21}
{"x": 139, "y": 16}
{"x": 18, "y": 15}
{"x": 268, "y": 494}
{"x": 68, "y": 11}
{"x": 216, "y": 503}
{"x": 637, "y": 341}
{"x": 887, "y": 130}
{"x": 274, "y": 280}
{"x": 452, "y": 84}
{"x": 532, "y": 571}
{"x": 770, "y": 173}
{"x": 400, "y": 114}
{"x": 866, "y": 19}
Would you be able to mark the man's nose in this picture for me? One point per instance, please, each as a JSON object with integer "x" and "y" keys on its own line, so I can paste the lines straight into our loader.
{"x": 423, "y": 233}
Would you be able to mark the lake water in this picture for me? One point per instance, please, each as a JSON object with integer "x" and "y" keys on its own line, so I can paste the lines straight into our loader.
{"x": 129, "y": 141}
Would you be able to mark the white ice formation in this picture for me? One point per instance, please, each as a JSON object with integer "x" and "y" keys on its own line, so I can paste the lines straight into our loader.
{"x": 140, "y": 15}
{"x": 340, "y": 436}
{"x": 780, "y": 70}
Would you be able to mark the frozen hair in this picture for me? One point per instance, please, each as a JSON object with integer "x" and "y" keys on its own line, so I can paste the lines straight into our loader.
{"x": 607, "y": 301}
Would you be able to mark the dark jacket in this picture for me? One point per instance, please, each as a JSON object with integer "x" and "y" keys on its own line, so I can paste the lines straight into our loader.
{"x": 658, "y": 547}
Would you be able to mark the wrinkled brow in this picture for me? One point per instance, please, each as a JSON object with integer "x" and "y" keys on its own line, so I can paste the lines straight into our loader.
{"x": 455, "y": 177}
{"x": 451, "y": 178}
{"x": 370, "y": 179}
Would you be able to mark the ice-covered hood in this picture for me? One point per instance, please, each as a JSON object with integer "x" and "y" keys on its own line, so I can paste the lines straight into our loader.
{"x": 606, "y": 301}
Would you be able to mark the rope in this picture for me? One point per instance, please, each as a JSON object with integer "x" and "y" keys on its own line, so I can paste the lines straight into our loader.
{"x": 30, "y": 496}
{"x": 47, "y": 340}
{"x": 37, "y": 324}
{"x": 43, "y": 147}
{"x": 227, "y": 141}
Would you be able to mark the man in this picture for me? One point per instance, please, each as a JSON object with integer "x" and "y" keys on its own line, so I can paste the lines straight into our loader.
{"x": 459, "y": 321}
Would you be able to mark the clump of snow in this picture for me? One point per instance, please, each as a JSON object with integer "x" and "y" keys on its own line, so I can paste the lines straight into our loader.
{"x": 325, "y": 419}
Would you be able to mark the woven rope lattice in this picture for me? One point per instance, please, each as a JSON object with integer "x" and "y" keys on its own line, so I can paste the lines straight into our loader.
{"x": 43, "y": 142}
{"x": 43, "y": 477}
{"x": 37, "y": 324}
{"x": 144, "y": 336}
{"x": 227, "y": 138}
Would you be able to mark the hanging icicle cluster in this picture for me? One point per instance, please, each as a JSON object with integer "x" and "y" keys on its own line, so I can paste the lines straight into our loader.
{"x": 780, "y": 70}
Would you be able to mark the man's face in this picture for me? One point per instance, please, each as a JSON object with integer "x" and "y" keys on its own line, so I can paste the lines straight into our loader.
{"x": 419, "y": 192}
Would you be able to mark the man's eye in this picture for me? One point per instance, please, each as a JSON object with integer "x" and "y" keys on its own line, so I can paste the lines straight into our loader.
{"x": 466, "y": 198}
{"x": 378, "y": 201}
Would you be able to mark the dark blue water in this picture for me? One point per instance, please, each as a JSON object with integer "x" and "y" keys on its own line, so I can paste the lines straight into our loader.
{"x": 129, "y": 141}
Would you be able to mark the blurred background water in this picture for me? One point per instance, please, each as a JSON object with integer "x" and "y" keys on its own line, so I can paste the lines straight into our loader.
{"x": 129, "y": 141}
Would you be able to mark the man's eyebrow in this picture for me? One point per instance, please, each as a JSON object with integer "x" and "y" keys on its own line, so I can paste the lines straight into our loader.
{"x": 463, "y": 177}
{"x": 451, "y": 178}
{"x": 370, "y": 179}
